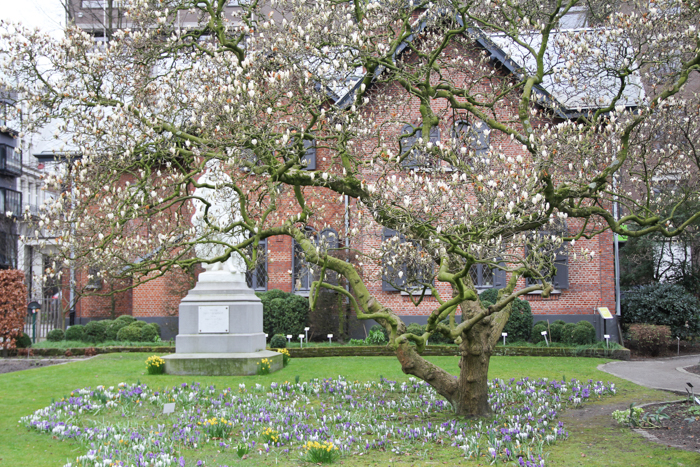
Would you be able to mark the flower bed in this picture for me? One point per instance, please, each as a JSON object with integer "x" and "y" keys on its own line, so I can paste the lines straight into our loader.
{"x": 125, "y": 425}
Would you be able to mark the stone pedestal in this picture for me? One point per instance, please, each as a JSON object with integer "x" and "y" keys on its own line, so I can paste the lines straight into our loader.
{"x": 220, "y": 329}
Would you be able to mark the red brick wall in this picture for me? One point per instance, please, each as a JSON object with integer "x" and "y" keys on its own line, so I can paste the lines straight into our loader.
{"x": 102, "y": 305}
{"x": 160, "y": 297}
{"x": 591, "y": 281}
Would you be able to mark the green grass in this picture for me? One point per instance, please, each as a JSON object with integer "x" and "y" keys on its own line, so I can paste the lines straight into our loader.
{"x": 599, "y": 439}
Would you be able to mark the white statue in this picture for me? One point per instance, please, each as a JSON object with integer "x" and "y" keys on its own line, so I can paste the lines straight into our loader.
{"x": 222, "y": 213}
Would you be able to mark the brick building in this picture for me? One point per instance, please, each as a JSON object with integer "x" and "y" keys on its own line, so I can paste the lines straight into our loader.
{"x": 580, "y": 286}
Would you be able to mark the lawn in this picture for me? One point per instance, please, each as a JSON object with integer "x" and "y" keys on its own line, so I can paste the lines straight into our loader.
{"x": 593, "y": 440}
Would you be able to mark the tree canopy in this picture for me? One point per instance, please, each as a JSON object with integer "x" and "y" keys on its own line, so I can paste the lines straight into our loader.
{"x": 480, "y": 132}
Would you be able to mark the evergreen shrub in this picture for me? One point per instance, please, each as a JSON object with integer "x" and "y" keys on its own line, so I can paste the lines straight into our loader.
{"x": 489, "y": 295}
{"x": 23, "y": 341}
{"x": 75, "y": 332}
{"x": 415, "y": 329}
{"x": 278, "y": 341}
{"x": 519, "y": 325}
{"x": 662, "y": 304}
{"x": 439, "y": 339}
{"x": 149, "y": 333}
{"x": 95, "y": 332}
{"x": 114, "y": 327}
{"x": 584, "y": 333}
{"x": 157, "y": 326}
{"x": 536, "y": 335}
{"x": 129, "y": 333}
{"x": 287, "y": 315}
{"x": 128, "y": 319}
{"x": 55, "y": 335}
{"x": 568, "y": 333}
{"x": 266, "y": 299}
{"x": 557, "y": 331}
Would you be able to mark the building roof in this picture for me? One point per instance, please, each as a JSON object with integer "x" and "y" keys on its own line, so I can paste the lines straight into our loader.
{"x": 584, "y": 83}
{"x": 569, "y": 94}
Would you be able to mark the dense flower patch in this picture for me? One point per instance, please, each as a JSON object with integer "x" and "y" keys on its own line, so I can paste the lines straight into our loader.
{"x": 124, "y": 425}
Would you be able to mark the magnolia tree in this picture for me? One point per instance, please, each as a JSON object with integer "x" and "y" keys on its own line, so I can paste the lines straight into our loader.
{"x": 536, "y": 149}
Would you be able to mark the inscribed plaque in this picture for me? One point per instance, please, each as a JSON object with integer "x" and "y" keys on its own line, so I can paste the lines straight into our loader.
{"x": 213, "y": 319}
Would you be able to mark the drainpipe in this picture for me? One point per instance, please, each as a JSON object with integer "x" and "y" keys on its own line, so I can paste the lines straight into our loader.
{"x": 616, "y": 243}
{"x": 347, "y": 222}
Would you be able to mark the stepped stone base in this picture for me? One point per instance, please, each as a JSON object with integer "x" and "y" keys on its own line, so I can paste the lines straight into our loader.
{"x": 220, "y": 364}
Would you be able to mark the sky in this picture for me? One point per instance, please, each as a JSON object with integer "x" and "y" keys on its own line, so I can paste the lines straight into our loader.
{"x": 48, "y": 15}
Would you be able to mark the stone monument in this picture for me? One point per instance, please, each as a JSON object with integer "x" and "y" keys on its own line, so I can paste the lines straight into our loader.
{"x": 220, "y": 319}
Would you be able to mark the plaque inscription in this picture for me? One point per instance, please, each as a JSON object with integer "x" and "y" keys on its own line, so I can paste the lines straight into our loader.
{"x": 213, "y": 319}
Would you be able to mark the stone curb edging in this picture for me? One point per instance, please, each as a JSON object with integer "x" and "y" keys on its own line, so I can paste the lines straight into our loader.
{"x": 373, "y": 351}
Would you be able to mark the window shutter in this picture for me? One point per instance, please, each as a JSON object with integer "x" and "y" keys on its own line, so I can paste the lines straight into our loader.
{"x": 388, "y": 271}
{"x": 481, "y": 138}
{"x": 561, "y": 277}
{"x": 407, "y": 143}
{"x": 499, "y": 277}
{"x": 310, "y": 156}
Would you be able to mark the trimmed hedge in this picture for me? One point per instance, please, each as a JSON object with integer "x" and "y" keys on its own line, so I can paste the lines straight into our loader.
{"x": 278, "y": 341}
{"x": 557, "y": 330}
{"x": 568, "y": 333}
{"x": 23, "y": 341}
{"x": 114, "y": 327}
{"x": 95, "y": 331}
{"x": 75, "y": 332}
{"x": 536, "y": 334}
{"x": 128, "y": 319}
{"x": 584, "y": 333}
{"x": 55, "y": 335}
{"x": 149, "y": 333}
{"x": 130, "y": 333}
